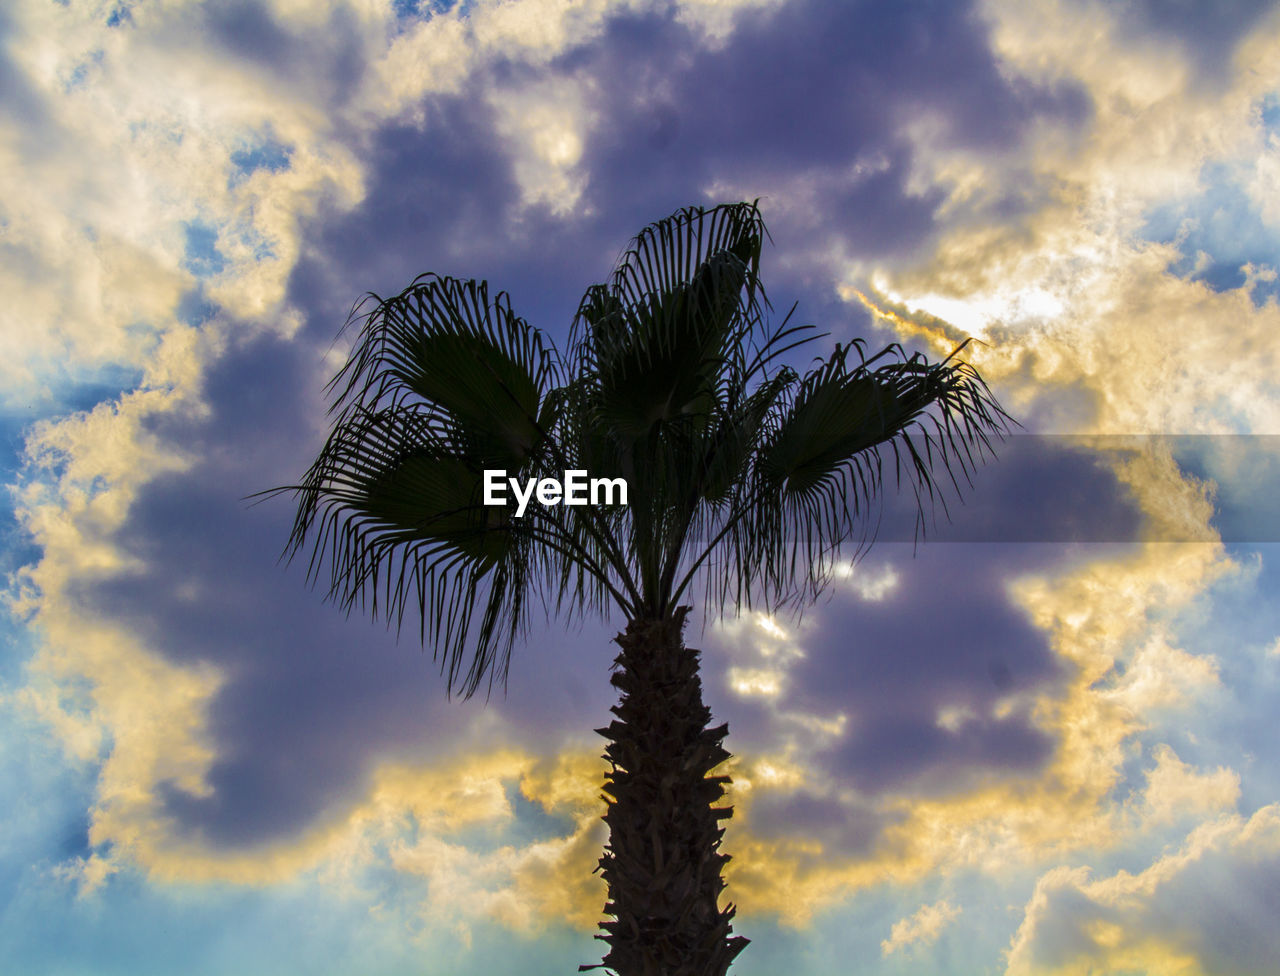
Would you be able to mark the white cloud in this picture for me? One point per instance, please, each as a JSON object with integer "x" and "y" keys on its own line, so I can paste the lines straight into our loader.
{"x": 922, "y": 928}
{"x": 1070, "y": 295}
{"x": 869, "y": 583}
{"x": 545, "y": 127}
{"x": 954, "y": 717}
{"x": 1161, "y": 676}
{"x": 716, "y": 18}
{"x": 1175, "y": 790}
{"x": 763, "y": 651}
{"x": 133, "y": 147}
{"x": 753, "y": 682}
{"x": 157, "y": 168}
{"x": 1264, "y": 186}
{"x": 87, "y": 873}
{"x": 1203, "y": 910}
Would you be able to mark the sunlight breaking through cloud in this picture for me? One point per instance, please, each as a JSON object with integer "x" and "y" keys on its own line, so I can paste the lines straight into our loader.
{"x": 189, "y": 189}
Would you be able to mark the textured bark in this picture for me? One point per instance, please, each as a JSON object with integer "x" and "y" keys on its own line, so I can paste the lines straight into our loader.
{"x": 662, "y": 863}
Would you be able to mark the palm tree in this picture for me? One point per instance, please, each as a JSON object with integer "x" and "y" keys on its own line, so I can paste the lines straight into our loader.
{"x": 744, "y": 478}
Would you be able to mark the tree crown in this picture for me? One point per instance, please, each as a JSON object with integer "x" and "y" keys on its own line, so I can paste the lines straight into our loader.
{"x": 741, "y": 471}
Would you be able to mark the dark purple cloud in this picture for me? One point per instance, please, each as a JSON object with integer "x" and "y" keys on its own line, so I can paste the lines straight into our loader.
{"x": 836, "y": 826}
{"x": 946, "y": 637}
{"x": 1035, "y": 488}
{"x": 804, "y": 90}
{"x": 327, "y": 56}
{"x": 311, "y": 697}
{"x": 1208, "y": 32}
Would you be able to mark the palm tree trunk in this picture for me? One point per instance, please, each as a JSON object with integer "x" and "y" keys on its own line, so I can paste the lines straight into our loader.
{"x": 662, "y": 863}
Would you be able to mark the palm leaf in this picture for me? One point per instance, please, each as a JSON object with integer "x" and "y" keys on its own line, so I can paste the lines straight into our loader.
{"x": 479, "y": 369}
{"x": 672, "y": 381}
{"x": 442, "y": 383}
{"x": 657, "y": 338}
{"x": 821, "y": 468}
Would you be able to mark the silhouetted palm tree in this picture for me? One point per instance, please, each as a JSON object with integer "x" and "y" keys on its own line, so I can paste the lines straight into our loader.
{"x": 743, "y": 477}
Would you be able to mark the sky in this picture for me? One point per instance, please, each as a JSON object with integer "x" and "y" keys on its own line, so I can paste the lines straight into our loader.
{"x": 1040, "y": 742}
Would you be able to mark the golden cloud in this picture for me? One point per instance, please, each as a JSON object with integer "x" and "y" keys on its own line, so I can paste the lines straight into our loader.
{"x": 1166, "y": 919}
{"x": 1101, "y": 617}
{"x": 1071, "y": 296}
{"x": 1070, "y": 299}
{"x": 922, "y": 928}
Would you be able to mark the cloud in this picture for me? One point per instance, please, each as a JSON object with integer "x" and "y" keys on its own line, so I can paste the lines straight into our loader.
{"x": 816, "y": 838}
{"x": 544, "y": 125}
{"x": 1159, "y": 676}
{"x": 98, "y": 263}
{"x": 87, "y": 873}
{"x": 968, "y": 710}
{"x": 186, "y": 249}
{"x": 870, "y": 585}
{"x": 83, "y": 476}
{"x": 170, "y": 260}
{"x": 1111, "y": 674}
{"x": 945, "y": 636}
{"x": 1070, "y": 292}
{"x": 449, "y": 833}
{"x": 922, "y": 928}
{"x": 1199, "y": 910}
{"x": 1175, "y": 790}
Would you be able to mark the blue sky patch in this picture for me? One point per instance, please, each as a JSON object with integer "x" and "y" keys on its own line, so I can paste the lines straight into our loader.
{"x": 1218, "y": 231}
{"x": 405, "y": 9}
{"x": 201, "y": 255}
{"x": 270, "y": 155}
{"x": 194, "y": 308}
{"x": 1269, "y": 110}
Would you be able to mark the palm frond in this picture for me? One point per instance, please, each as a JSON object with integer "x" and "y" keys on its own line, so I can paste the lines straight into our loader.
{"x": 441, "y": 384}
{"x": 476, "y": 367}
{"x": 673, "y": 381}
{"x": 665, "y": 351}
{"x": 821, "y": 467}
{"x": 678, "y": 311}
